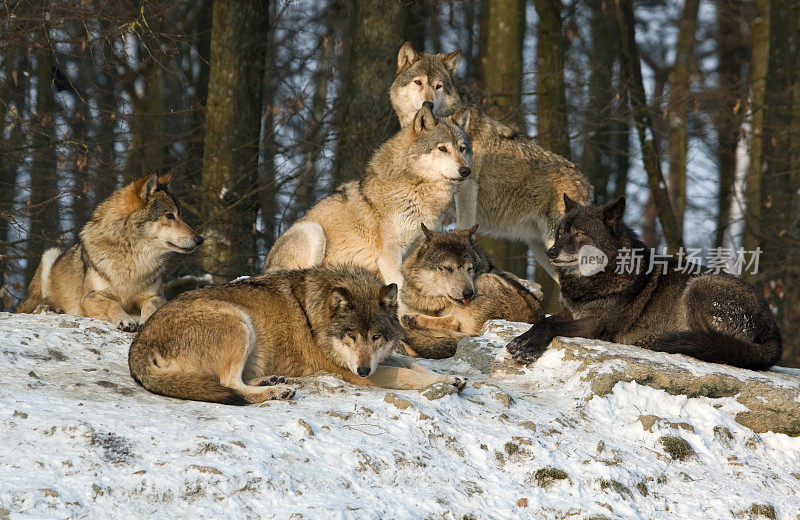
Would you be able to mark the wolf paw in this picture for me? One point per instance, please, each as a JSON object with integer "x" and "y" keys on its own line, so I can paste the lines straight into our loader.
{"x": 527, "y": 356}
{"x": 409, "y": 320}
{"x": 282, "y": 392}
{"x": 267, "y": 381}
{"x": 457, "y": 381}
{"x": 128, "y": 324}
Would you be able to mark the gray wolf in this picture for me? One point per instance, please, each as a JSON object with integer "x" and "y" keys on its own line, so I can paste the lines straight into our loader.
{"x": 236, "y": 343}
{"x": 371, "y": 221}
{"x": 114, "y": 271}
{"x": 515, "y": 188}
{"x": 714, "y": 318}
{"x": 450, "y": 285}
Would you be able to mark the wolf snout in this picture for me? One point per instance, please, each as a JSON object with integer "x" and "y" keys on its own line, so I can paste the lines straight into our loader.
{"x": 467, "y": 294}
{"x": 428, "y": 104}
{"x": 198, "y": 240}
{"x": 363, "y": 371}
{"x": 464, "y": 171}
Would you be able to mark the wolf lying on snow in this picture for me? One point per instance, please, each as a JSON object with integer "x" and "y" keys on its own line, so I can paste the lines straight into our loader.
{"x": 451, "y": 285}
{"x": 515, "y": 188}
{"x": 372, "y": 221}
{"x": 223, "y": 344}
{"x": 114, "y": 271}
{"x": 715, "y": 318}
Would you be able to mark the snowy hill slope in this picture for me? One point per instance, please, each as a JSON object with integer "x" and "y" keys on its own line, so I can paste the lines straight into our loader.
{"x": 81, "y": 440}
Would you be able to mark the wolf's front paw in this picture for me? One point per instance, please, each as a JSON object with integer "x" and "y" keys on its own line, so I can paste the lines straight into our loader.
{"x": 282, "y": 392}
{"x": 409, "y": 320}
{"x": 530, "y": 345}
{"x": 128, "y": 324}
{"x": 457, "y": 381}
{"x": 267, "y": 381}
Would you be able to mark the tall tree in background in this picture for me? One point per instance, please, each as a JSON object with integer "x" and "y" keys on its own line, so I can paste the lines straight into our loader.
{"x": 500, "y": 80}
{"x": 680, "y": 78}
{"x": 780, "y": 173}
{"x": 367, "y": 117}
{"x": 233, "y": 128}
{"x": 43, "y": 201}
{"x": 730, "y": 103}
{"x": 643, "y": 120}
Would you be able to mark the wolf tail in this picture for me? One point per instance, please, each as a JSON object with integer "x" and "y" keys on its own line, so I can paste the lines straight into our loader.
{"x": 716, "y": 347}
{"x": 174, "y": 383}
{"x": 432, "y": 344}
{"x": 40, "y": 283}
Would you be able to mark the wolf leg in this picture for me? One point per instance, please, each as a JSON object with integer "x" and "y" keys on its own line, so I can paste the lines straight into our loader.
{"x": 422, "y": 321}
{"x": 540, "y": 255}
{"x": 414, "y": 378}
{"x": 302, "y": 246}
{"x": 150, "y": 306}
{"x": 97, "y": 305}
{"x": 466, "y": 198}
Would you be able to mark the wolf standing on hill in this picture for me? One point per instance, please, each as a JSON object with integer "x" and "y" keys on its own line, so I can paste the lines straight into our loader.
{"x": 224, "y": 344}
{"x": 114, "y": 271}
{"x": 371, "y": 221}
{"x": 715, "y": 318}
{"x": 516, "y": 186}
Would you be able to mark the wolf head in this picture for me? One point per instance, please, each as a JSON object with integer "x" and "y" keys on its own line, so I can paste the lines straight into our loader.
{"x": 446, "y": 265}
{"x": 354, "y": 316}
{"x": 423, "y": 78}
{"x": 154, "y": 213}
{"x": 589, "y": 234}
{"x": 440, "y": 149}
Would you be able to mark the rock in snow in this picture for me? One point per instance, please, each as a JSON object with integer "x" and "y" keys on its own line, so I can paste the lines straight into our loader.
{"x": 592, "y": 430}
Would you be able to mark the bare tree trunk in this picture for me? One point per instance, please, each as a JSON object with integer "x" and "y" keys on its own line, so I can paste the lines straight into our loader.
{"x": 551, "y": 103}
{"x": 368, "y": 120}
{"x": 43, "y": 202}
{"x": 641, "y": 114}
{"x": 500, "y": 57}
{"x": 598, "y": 129}
{"x": 678, "y": 108}
{"x": 780, "y": 175}
{"x": 760, "y": 42}
{"x": 233, "y": 126}
{"x": 731, "y": 101}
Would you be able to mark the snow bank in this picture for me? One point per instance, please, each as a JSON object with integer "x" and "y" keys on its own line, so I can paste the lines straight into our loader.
{"x": 81, "y": 440}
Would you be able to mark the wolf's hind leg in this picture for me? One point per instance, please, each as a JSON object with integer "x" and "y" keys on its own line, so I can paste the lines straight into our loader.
{"x": 466, "y": 199}
{"x": 302, "y": 246}
{"x": 423, "y": 321}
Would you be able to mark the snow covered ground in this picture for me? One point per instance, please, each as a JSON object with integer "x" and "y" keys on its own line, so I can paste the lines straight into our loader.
{"x": 81, "y": 440}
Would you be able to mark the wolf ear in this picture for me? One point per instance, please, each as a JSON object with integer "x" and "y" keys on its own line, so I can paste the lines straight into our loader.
{"x": 339, "y": 300}
{"x": 569, "y": 204}
{"x": 148, "y": 185}
{"x": 165, "y": 179}
{"x": 427, "y": 232}
{"x": 613, "y": 213}
{"x": 424, "y": 120}
{"x": 472, "y": 230}
{"x": 451, "y": 61}
{"x": 388, "y": 295}
{"x": 406, "y": 57}
{"x": 463, "y": 120}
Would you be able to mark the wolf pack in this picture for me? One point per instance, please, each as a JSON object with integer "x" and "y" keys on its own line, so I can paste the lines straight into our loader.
{"x": 365, "y": 283}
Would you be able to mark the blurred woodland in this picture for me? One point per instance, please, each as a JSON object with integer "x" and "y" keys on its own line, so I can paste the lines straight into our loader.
{"x": 689, "y": 107}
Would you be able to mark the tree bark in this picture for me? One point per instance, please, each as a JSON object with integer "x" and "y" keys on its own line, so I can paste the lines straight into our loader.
{"x": 233, "y": 126}
{"x": 500, "y": 58}
{"x": 680, "y": 78}
{"x": 780, "y": 175}
{"x": 642, "y": 118}
{"x": 43, "y": 202}
{"x": 551, "y": 102}
{"x": 368, "y": 120}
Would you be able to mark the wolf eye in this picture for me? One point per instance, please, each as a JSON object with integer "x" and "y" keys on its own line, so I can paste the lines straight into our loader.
{"x": 376, "y": 337}
{"x": 462, "y": 148}
{"x": 470, "y": 269}
{"x": 442, "y": 148}
{"x": 438, "y": 86}
{"x": 349, "y": 334}
{"x": 170, "y": 216}
{"x": 578, "y": 233}
{"x": 418, "y": 82}
{"x": 447, "y": 268}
